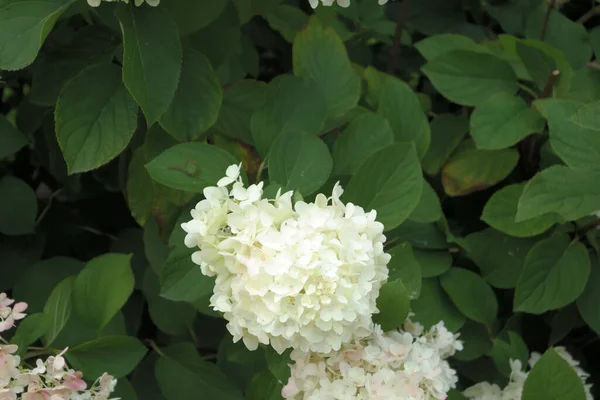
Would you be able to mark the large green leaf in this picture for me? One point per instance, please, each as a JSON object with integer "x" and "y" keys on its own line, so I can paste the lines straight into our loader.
{"x": 182, "y": 280}
{"x": 429, "y": 208}
{"x": 195, "y": 106}
{"x": 152, "y": 57}
{"x": 393, "y": 304}
{"x": 182, "y": 375}
{"x": 509, "y": 346}
{"x": 24, "y": 25}
{"x": 190, "y": 166}
{"x": 58, "y": 308}
{"x": 11, "y": 140}
{"x": 436, "y": 45}
{"x": 499, "y": 257}
{"x": 555, "y": 273}
{"x": 447, "y": 131}
{"x": 569, "y": 193}
{"x": 434, "y": 305}
{"x": 299, "y": 161}
{"x": 470, "y": 78}
{"x": 470, "y": 170}
{"x": 18, "y": 207}
{"x": 294, "y": 107}
{"x": 390, "y": 181}
{"x": 264, "y": 386}
{"x": 501, "y": 210}
{"x": 29, "y": 330}
{"x": 192, "y": 16}
{"x": 552, "y": 378}
{"x": 363, "y": 136}
{"x": 432, "y": 263}
{"x": 401, "y": 107}
{"x": 320, "y": 54}
{"x": 574, "y": 131}
{"x": 102, "y": 288}
{"x": 502, "y": 121}
{"x": 538, "y": 63}
{"x": 116, "y": 355}
{"x": 471, "y": 295}
{"x": 404, "y": 266}
{"x": 92, "y": 130}
{"x": 588, "y": 302}
{"x": 476, "y": 341}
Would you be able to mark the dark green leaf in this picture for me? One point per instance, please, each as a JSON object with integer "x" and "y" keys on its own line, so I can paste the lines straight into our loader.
{"x": 405, "y": 267}
{"x": 264, "y": 386}
{"x": 191, "y": 16}
{"x": 433, "y": 263}
{"x": 538, "y": 63}
{"x": 434, "y": 46}
{"x": 429, "y": 208}
{"x": 182, "y": 280}
{"x": 11, "y": 140}
{"x": 393, "y": 303}
{"x": 18, "y": 207}
{"x": 434, "y": 306}
{"x": 476, "y": 341}
{"x": 509, "y": 346}
{"x": 447, "y": 131}
{"x": 588, "y": 302}
{"x": 555, "y": 273}
{"x": 30, "y": 329}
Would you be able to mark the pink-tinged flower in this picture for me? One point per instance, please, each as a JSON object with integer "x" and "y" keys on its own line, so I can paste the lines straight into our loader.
{"x": 5, "y": 301}
{"x": 7, "y": 323}
{"x": 7, "y": 394}
{"x": 59, "y": 361}
{"x": 73, "y": 380}
{"x": 17, "y": 311}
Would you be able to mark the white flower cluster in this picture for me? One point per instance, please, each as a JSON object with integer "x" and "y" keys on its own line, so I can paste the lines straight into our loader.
{"x": 403, "y": 365}
{"x": 50, "y": 379}
{"x": 8, "y": 314}
{"x": 514, "y": 389}
{"x": 305, "y": 276}
{"x": 341, "y": 3}
{"x": 96, "y": 3}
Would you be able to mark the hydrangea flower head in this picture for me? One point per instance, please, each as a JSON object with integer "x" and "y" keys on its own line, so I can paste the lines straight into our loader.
{"x": 400, "y": 365}
{"x": 305, "y": 276}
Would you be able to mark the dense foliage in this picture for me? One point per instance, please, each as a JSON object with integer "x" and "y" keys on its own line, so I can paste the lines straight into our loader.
{"x": 471, "y": 127}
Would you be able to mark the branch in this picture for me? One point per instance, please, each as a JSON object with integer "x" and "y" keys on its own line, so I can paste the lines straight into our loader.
{"x": 586, "y": 228}
{"x": 395, "y": 49}
{"x": 546, "y": 19}
{"x": 589, "y": 15}
{"x": 550, "y": 84}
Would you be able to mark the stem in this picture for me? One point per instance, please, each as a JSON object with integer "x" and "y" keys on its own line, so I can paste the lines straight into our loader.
{"x": 259, "y": 172}
{"x": 155, "y": 347}
{"x": 32, "y": 354}
{"x": 550, "y": 84}
{"x": 586, "y": 228}
{"x": 527, "y": 89}
{"x": 546, "y": 20}
{"x": 589, "y": 15}
{"x": 395, "y": 49}
{"x": 47, "y": 208}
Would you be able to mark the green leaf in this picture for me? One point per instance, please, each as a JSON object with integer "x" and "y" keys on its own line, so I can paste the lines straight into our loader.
{"x": 264, "y": 386}
{"x": 476, "y": 341}
{"x": 436, "y": 45}
{"x": 38, "y": 281}
{"x": 182, "y": 375}
{"x": 570, "y": 193}
{"x": 363, "y": 136}
{"x": 538, "y": 63}
{"x": 18, "y": 207}
{"x": 393, "y": 303}
{"x": 588, "y": 302}
{"x": 434, "y": 306}
{"x": 319, "y": 53}
{"x": 124, "y": 390}
{"x": 433, "y": 263}
{"x": 278, "y": 364}
{"x": 555, "y": 273}
{"x": 499, "y": 257}
{"x": 552, "y": 378}
{"x": 29, "y": 330}
{"x": 574, "y": 131}
{"x": 240, "y": 101}
{"x": 190, "y": 166}
{"x": 470, "y": 170}
{"x": 240, "y": 364}
{"x": 503, "y": 121}
{"x": 11, "y": 140}
{"x": 561, "y": 33}
{"x": 173, "y": 318}
{"x": 390, "y": 182}
{"x": 287, "y": 20}
{"x": 294, "y": 107}
{"x": 470, "y": 78}
{"x": 102, "y": 288}
{"x": 507, "y": 347}
{"x": 195, "y": 106}
{"x": 182, "y": 280}
{"x": 58, "y": 308}
{"x": 471, "y": 295}
{"x": 401, "y": 107}
{"x": 92, "y": 130}
{"x": 300, "y": 162}
{"x": 447, "y": 132}
{"x": 429, "y": 208}
{"x": 152, "y": 57}
{"x": 405, "y": 267}
{"x": 501, "y": 210}
{"x": 116, "y": 355}
{"x": 192, "y": 16}
{"x": 24, "y": 26}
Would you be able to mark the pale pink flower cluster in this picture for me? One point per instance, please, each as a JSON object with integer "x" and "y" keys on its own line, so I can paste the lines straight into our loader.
{"x": 303, "y": 275}
{"x": 409, "y": 364}
{"x": 514, "y": 389}
{"x": 48, "y": 380}
{"x": 341, "y": 3}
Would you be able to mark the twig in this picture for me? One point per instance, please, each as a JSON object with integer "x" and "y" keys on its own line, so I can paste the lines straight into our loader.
{"x": 546, "y": 19}
{"x": 589, "y": 15}
{"x": 395, "y": 49}
{"x": 547, "y": 91}
{"x": 47, "y": 208}
{"x": 154, "y": 347}
{"x": 586, "y": 228}
{"x": 527, "y": 89}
